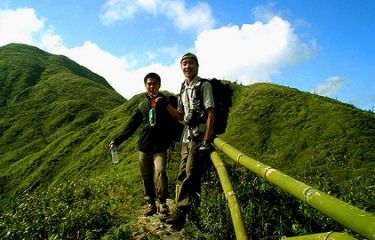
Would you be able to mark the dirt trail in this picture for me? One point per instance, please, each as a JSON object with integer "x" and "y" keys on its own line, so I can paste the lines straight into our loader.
{"x": 154, "y": 228}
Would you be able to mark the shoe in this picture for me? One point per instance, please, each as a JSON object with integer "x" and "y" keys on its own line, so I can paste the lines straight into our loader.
{"x": 164, "y": 209}
{"x": 151, "y": 209}
{"x": 177, "y": 218}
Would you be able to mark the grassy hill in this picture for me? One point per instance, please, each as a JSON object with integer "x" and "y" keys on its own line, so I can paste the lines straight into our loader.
{"x": 302, "y": 133}
{"x": 317, "y": 140}
{"x": 57, "y": 180}
{"x": 46, "y": 100}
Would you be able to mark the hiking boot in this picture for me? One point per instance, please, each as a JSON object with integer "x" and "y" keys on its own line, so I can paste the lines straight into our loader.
{"x": 164, "y": 209}
{"x": 151, "y": 209}
{"x": 177, "y": 218}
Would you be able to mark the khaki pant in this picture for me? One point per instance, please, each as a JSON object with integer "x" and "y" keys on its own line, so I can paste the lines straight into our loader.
{"x": 154, "y": 176}
{"x": 188, "y": 176}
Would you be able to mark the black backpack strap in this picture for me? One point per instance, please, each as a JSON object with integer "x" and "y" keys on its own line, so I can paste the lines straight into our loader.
{"x": 182, "y": 87}
{"x": 200, "y": 92}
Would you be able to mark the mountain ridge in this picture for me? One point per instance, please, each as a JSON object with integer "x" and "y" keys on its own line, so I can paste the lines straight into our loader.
{"x": 57, "y": 119}
{"x": 306, "y": 116}
{"x": 48, "y": 96}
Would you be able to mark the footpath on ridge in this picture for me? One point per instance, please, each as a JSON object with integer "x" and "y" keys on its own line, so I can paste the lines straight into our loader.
{"x": 154, "y": 228}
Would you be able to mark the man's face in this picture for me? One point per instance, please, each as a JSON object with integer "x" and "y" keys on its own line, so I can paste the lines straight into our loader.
{"x": 189, "y": 68}
{"x": 152, "y": 86}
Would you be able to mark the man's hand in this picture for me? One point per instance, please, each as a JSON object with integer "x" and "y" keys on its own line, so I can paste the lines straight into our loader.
{"x": 162, "y": 102}
{"x": 205, "y": 146}
{"x": 111, "y": 144}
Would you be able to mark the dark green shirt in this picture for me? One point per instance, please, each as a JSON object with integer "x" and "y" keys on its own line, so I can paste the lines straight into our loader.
{"x": 151, "y": 138}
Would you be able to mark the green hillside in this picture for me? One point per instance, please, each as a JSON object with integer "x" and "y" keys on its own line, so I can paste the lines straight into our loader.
{"x": 303, "y": 134}
{"x": 46, "y": 101}
{"x": 57, "y": 180}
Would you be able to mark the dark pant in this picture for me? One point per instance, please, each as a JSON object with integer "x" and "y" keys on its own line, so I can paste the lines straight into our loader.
{"x": 189, "y": 175}
{"x": 154, "y": 175}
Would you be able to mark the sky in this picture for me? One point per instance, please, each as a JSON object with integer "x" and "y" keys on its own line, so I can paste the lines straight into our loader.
{"x": 318, "y": 46}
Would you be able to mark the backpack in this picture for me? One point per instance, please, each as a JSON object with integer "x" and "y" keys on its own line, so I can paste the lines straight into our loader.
{"x": 223, "y": 101}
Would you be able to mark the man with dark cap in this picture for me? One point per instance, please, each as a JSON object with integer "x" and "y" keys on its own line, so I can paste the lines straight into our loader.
{"x": 196, "y": 102}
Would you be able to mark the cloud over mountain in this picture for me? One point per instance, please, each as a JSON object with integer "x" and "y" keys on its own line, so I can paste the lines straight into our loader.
{"x": 251, "y": 52}
{"x": 19, "y": 25}
{"x": 198, "y": 17}
{"x": 248, "y": 53}
{"x": 330, "y": 86}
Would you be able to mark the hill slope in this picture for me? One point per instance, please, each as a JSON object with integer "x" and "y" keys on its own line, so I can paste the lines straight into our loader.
{"x": 301, "y": 133}
{"x": 44, "y": 100}
{"x": 56, "y": 119}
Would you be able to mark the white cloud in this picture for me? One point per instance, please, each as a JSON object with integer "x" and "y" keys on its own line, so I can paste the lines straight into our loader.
{"x": 264, "y": 12}
{"x": 116, "y": 70}
{"x": 171, "y": 53}
{"x": 19, "y": 26}
{"x": 50, "y": 41}
{"x": 119, "y": 10}
{"x": 250, "y": 53}
{"x": 198, "y": 18}
{"x": 330, "y": 86}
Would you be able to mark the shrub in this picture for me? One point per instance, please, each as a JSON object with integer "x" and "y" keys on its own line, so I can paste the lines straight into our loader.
{"x": 71, "y": 210}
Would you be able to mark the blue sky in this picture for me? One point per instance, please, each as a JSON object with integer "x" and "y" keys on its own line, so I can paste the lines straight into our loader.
{"x": 323, "y": 47}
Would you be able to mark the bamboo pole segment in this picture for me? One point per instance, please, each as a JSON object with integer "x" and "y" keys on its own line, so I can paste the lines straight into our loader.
{"x": 239, "y": 226}
{"x": 322, "y": 236}
{"x": 352, "y": 217}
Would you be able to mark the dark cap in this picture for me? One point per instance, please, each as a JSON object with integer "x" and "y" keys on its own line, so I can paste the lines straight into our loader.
{"x": 190, "y": 55}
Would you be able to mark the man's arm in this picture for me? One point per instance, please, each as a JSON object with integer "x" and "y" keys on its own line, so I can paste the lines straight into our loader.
{"x": 208, "y": 104}
{"x": 175, "y": 113}
{"x": 209, "y": 124}
{"x": 130, "y": 128}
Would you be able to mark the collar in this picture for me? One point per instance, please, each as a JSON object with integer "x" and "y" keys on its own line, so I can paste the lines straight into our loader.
{"x": 150, "y": 98}
{"x": 195, "y": 80}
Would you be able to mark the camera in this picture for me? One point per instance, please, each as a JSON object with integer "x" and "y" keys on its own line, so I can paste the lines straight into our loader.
{"x": 194, "y": 117}
{"x": 191, "y": 119}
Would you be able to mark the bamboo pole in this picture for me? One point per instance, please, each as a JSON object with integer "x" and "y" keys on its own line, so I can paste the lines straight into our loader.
{"x": 239, "y": 226}
{"x": 322, "y": 236}
{"x": 352, "y": 217}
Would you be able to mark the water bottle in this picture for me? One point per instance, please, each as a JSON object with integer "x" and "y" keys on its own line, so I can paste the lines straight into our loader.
{"x": 114, "y": 154}
{"x": 152, "y": 117}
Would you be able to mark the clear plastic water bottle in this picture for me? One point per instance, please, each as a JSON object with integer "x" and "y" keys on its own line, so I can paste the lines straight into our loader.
{"x": 152, "y": 117}
{"x": 114, "y": 154}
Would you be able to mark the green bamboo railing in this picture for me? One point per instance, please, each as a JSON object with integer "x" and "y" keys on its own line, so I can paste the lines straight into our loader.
{"x": 322, "y": 236}
{"x": 352, "y": 217}
{"x": 239, "y": 226}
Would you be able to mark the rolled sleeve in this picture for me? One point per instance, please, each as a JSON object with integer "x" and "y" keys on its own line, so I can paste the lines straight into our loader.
{"x": 208, "y": 96}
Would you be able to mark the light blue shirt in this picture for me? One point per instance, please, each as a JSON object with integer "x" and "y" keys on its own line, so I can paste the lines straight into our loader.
{"x": 188, "y": 101}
